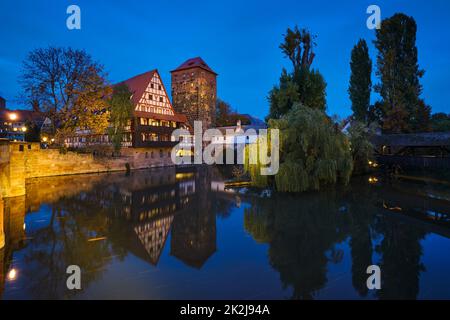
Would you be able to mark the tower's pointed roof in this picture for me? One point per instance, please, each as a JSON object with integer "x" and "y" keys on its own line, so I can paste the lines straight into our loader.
{"x": 196, "y": 62}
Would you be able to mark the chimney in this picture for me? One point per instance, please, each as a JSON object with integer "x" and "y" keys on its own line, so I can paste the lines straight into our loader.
{"x": 2, "y": 103}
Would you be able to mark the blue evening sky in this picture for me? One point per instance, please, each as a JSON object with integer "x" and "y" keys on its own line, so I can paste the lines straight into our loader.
{"x": 238, "y": 39}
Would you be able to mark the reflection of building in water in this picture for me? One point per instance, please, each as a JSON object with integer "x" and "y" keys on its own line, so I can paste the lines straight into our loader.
{"x": 152, "y": 235}
{"x": 150, "y": 204}
{"x": 138, "y": 210}
{"x": 12, "y": 232}
{"x": 194, "y": 232}
{"x": 194, "y": 237}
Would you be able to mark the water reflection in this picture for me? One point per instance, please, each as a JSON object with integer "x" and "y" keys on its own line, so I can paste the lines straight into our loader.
{"x": 99, "y": 221}
{"x": 303, "y": 238}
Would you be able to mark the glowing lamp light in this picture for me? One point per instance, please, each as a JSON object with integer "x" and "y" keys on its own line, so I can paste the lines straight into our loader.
{"x": 12, "y": 116}
{"x": 44, "y": 139}
{"x": 12, "y": 274}
{"x": 24, "y": 129}
{"x": 373, "y": 164}
{"x": 373, "y": 180}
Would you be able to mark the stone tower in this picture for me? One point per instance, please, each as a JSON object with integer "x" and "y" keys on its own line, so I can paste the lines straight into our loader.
{"x": 194, "y": 91}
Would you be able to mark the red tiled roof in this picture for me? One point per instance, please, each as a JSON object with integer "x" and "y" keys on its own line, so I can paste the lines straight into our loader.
{"x": 194, "y": 63}
{"x": 138, "y": 84}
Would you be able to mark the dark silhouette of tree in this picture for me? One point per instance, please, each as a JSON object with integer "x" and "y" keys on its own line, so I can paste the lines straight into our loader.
{"x": 399, "y": 73}
{"x": 440, "y": 122}
{"x": 360, "y": 81}
{"x": 226, "y": 116}
{"x": 298, "y": 47}
{"x": 53, "y": 79}
{"x": 302, "y": 85}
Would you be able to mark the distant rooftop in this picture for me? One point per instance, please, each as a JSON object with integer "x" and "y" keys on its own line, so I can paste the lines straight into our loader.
{"x": 196, "y": 62}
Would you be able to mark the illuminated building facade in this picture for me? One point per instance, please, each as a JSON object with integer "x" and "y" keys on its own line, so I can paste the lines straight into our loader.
{"x": 194, "y": 91}
{"x": 153, "y": 119}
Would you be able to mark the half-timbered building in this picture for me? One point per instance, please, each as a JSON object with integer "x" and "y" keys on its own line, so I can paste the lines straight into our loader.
{"x": 153, "y": 117}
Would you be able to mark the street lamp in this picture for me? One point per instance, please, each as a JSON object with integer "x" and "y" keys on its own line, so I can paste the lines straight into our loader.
{"x": 12, "y": 116}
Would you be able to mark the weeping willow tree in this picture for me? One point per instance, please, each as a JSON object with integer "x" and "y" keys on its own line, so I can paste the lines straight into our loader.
{"x": 313, "y": 153}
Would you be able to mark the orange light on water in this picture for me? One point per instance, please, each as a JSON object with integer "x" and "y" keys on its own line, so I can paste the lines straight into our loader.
{"x": 12, "y": 274}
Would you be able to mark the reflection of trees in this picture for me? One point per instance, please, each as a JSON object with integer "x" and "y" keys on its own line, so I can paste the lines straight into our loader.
{"x": 400, "y": 266}
{"x": 300, "y": 231}
{"x": 361, "y": 211}
{"x": 66, "y": 241}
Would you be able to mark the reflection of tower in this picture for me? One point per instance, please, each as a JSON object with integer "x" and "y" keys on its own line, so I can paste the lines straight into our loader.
{"x": 194, "y": 231}
{"x": 194, "y": 91}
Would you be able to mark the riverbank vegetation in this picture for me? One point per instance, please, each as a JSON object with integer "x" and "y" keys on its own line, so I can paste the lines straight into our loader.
{"x": 317, "y": 150}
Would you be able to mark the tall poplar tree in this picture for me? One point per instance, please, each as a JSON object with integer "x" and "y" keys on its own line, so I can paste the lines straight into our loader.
{"x": 399, "y": 72}
{"x": 360, "y": 81}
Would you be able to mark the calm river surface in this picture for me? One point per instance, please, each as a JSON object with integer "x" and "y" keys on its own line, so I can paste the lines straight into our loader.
{"x": 158, "y": 234}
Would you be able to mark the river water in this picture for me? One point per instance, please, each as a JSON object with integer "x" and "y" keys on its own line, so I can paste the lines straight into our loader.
{"x": 159, "y": 234}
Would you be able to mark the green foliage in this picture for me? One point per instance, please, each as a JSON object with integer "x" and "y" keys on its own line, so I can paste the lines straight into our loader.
{"x": 361, "y": 147}
{"x": 303, "y": 85}
{"x": 254, "y": 170}
{"x": 398, "y": 69}
{"x": 360, "y": 81}
{"x": 298, "y": 47}
{"x": 313, "y": 152}
{"x": 440, "y": 122}
{"x": 121, "y": 110}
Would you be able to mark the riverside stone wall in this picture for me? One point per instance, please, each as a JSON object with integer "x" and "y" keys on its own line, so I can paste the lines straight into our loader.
{"x": 20, "y": 161}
